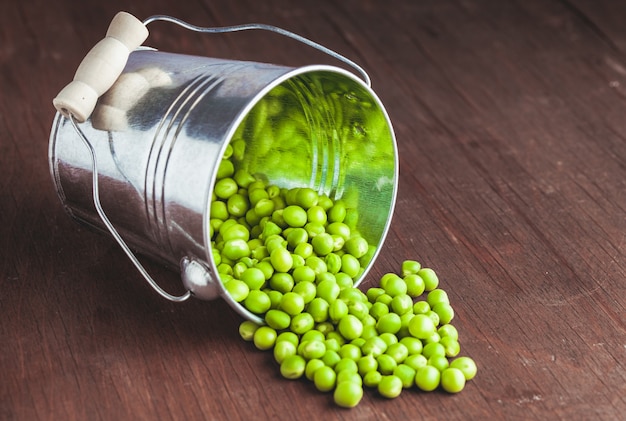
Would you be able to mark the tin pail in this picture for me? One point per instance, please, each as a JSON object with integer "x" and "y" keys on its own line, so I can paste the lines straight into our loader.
{"x": 160, "y": 133}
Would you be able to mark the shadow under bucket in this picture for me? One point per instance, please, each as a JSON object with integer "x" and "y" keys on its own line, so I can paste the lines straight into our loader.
{"x": 163, "y": 129}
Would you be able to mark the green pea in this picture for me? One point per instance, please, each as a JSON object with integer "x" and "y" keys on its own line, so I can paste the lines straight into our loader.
{"x": 331, "y": 358}
{"x": 395, "y": 286}
{"x": 386, "y": 364}
{"x": 306, "y": 197}
{"x": 264, "y": 338}
{"x": 350, "y": 351}
{"x": 416, "y": 361}
{"x": 436, "y": 296}
{"x": 373, "y": 293}
{"x": 225, "y": 188}
{"x": 304, "y": 249}
{"x": 325, "y": 379}
{"x": 399, "y": 352}
{"x": 448, "y": 330}
{"x": 440, "y": 362}
{"x": 317, "y": 264}
{"x": 253, "y": 277}
{"x": 378, "y": 309}
{"x": 303, "y": 273}
{"x": 325, "y": 327}
{"x": 295, "y": 216}
{"x": 281, "y": 259}
{"x": 237, "y": 205}
{"x": 238, "y": 290}
{"x": 390, "y": 386}
{"x": 312, "y": 349}
{"x": 338, "y": 310}
{"x": 421, "y": 326}
{"x": 316, "y": 214}
{"x": 312, "y": 335}
{"x": 401, "y": 304}
{"x": 356, "y": 246}
{"x": 247, "y": 329}
{"x": 264, "y": 207}
{"x": 283, "y": 350}
{"x": 339, "y": 228}
{"x": 333, "y": 262}
{"x": 314, "y": 229}
{"x": 306, "y": 290}
{"x": 328, "y": 290}
{"x": 427, "y": 378}
{"x": 289, "y": 337}
{"x": 256, "y": 195}
{"x": 434, "y": 317}
{"x": 292, "y": 303}
{"x": 410, "y": 267}
{"x": 366, "y": 364}
{"x": 257, "y": 301}
{"x": 415, "y": 285}
{"x": 388, "y": 323}
{"x": 385, "y": 299}
{"x": 374, "y": 346}
{"x": 293, "y": 367}
{"x": 336, "y": 336}
{"x": 350, "y": 265}
{"x": 346, "y": 365}
{"x": 349, "y": 375}
{"x": 236, "y": 249}
{"x": 219, "y": 210}
{"x": 348, "y": 394}
{"x": 312, "y": 366}
{"x": 413, "y": 345}
{"x": 452, "y": 380}
{"x": 451, "y": 346}
{"x": 243, "y": 178}
{"x": 372, "y": 378}
{"x": 296, "y": 237}
{"x": 359, "y": 310}
{"x": 444, "y": 311}
{"x": 421, "y": 307}
{"x": 275, "y": 297}
{"x": 344, "y": 280}
{"x": 466, "y": 365}
{"x": 277, "y": 319}
{"x": 337, "y": 213}
{"x": 406, "y": 374}
{"x": 300, "y": 323}
{"x": 350, "y": 327}
{"x": 431, "y": 281}
{"x": 282, "y": 282}
{"x": 318, "y": 308}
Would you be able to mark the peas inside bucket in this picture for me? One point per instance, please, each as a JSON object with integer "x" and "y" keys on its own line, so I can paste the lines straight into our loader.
{"x": 303, "y": 195}
{"x": 297, "y": 159}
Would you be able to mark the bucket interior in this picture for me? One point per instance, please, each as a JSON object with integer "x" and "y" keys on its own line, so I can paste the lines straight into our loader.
{"x": 325, "y": 130}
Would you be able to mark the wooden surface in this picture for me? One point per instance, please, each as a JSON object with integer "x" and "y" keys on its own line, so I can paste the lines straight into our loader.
{"x": 510, "y": 122}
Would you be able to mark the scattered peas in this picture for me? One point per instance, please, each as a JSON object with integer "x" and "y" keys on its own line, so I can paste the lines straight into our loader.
{"x": 292, "y": 257}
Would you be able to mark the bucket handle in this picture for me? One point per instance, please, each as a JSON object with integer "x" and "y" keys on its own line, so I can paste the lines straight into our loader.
{"x": 264, "y": 27}
{"x": 99, "y": 70}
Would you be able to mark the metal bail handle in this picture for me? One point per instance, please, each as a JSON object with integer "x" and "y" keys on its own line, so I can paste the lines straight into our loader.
{"x": 98, "y": 72}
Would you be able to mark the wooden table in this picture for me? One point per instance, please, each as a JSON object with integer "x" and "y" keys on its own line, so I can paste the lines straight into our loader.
{"x": 511, "y": 130}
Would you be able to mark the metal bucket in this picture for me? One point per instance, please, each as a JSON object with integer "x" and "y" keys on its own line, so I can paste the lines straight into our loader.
{"x": 160, "y": 133}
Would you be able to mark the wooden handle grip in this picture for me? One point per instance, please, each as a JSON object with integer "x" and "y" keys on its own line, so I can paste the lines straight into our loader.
{"x": 101, "y": 67}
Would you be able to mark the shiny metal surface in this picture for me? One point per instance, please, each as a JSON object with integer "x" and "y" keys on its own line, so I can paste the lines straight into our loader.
{"x": 159, "y": 143}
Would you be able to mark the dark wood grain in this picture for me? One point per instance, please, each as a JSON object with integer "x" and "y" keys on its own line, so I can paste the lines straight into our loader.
{"x": 509, "y": 117}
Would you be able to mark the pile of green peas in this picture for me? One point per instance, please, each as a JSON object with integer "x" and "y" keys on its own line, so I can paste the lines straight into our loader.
{"x": 292, "y": 256}
{"x": 387, "y": 339}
